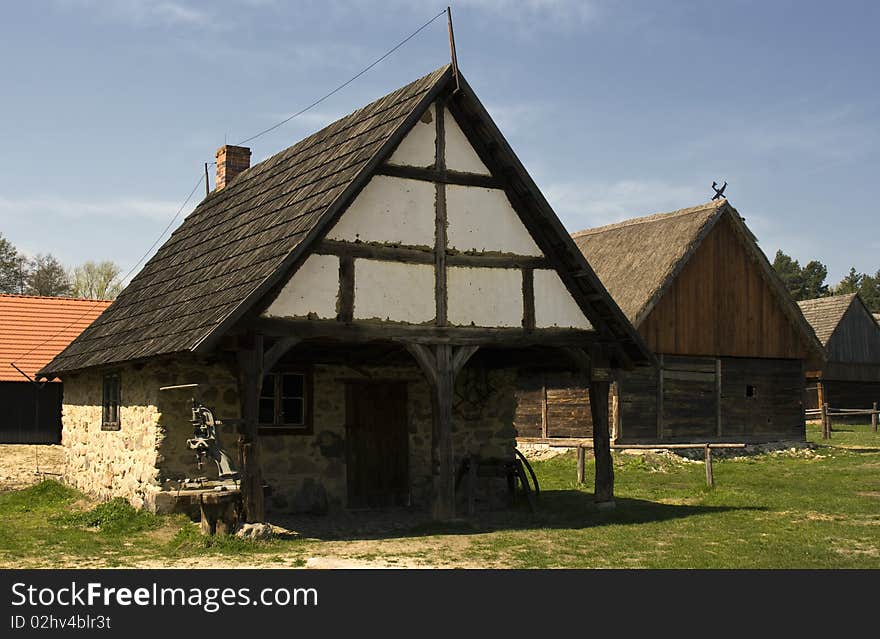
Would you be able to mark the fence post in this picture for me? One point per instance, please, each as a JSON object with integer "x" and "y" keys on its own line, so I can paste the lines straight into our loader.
{"x": 710, "y": 479}
{"x": 581, "y": 455}
{"x": 874, "y": 418}
{"x": 824, "y": 409}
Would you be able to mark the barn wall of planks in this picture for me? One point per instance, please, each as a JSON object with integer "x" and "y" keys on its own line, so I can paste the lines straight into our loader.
{"x": 700, "y": 398}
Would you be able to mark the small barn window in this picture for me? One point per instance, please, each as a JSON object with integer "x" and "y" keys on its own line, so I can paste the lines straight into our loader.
{"x": 751, "y": 390}
{"x": 111, "y": 392}
{"x": 285, "y": 403}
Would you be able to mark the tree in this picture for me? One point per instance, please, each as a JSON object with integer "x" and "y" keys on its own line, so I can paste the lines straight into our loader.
{"x": 13, "y": 268}
{"x": 47, "y": 277}
{"x": 814, "y": 274}
{"x": 96, "y": 280}
{"x": 849, "y": 284}
{"x": 790, "y": 272}
{"x": 870, "y": 291}
{"x": 802, "y": 283}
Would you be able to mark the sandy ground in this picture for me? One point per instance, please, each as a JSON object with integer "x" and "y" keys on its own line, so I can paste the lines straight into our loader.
{"x": 22, "y": 465}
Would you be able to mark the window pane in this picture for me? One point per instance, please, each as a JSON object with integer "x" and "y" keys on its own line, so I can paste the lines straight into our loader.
{"x": 267, "y": 411}
{"x": 293, "y": 386}
{"x": 268, "y": 389}
{"x": 292, "y": 411}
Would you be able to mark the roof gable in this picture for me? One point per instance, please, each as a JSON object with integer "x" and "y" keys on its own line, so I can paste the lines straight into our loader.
{"x": 243, "y": 242}
{"x": 845, "y": 326}
{"x": 641, "y": 259}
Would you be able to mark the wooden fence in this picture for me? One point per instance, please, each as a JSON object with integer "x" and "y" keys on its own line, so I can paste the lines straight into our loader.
{"x": 825, "y": 413}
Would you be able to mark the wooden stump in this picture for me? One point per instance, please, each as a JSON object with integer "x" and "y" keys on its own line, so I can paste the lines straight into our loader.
{"x": 219, "y": 512}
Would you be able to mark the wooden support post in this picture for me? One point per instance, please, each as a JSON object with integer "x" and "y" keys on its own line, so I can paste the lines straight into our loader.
{"x": 874, "y": 417}
{"x": 660, "y": 399}
{"x": 615, "y": 411}
{"x": 710, "y": 479}
{"x": 544, "y": 415}
{"x": 603, "y": 492}
{"x": 250, "y": 364}
{"x": 582, "y": 453}
{"x": 440, "y": 364}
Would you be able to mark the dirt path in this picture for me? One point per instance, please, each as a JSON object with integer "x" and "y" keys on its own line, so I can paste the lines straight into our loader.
{"x": 22, "y": 465}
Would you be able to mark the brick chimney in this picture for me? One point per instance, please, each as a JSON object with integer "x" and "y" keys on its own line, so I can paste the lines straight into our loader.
{"x": 231, "y": 160}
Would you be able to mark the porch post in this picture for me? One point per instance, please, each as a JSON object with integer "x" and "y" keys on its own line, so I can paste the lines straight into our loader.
{"x": 440, "y": 364}
{"x": 600, "y": 384}
{"x": 250, "y": 365}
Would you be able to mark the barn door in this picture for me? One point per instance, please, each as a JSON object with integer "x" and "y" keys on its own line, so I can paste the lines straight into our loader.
{"x": 377, "y": 444}
{"x": 690, "y": 398}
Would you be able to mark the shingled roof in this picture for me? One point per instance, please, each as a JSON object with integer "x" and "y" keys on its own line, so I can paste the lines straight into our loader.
{"x": 638, "y": 259}
{"x": 825, "y": 313}
{"x": 243, "y": 239}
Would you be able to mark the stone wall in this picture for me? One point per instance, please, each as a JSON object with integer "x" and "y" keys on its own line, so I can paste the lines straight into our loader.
{"x": 307, "y": 472}
{"x": 150, "y": 446}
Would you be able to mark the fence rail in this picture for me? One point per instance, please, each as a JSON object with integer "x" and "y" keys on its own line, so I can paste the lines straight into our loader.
{"x": 825, "y": 412}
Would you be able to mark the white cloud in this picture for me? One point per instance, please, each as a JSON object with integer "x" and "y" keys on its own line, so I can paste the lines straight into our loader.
{"x": 587, "y": 204}
{"x": 53, "y": 208}
{"x": 142, "y": 12}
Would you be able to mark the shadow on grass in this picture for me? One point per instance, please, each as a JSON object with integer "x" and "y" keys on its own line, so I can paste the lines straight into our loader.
{"x": 556, "y": 509}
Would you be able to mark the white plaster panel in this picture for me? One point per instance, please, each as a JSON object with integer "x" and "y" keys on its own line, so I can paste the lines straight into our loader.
{"x": 482, "y": 219}
{"x": 418, "y": 147}
{"x": 390, "y": 210}
{"x": 314, "y": 288}
{"x": 394, "y": 291}
{"x": 554, "y": 305}
{"x": 460, "y": 154}
{"x": 484, "y": 296}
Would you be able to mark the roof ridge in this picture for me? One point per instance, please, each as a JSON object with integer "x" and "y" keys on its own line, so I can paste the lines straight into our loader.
{"x": 653, "y": 217}
{"x": 53, "y": 297}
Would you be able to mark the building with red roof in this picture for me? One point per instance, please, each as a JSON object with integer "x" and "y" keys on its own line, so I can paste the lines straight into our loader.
{"x": 33, "y": 330}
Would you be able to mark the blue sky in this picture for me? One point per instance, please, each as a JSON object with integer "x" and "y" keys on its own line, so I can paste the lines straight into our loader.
{"x": 618, "y": 109}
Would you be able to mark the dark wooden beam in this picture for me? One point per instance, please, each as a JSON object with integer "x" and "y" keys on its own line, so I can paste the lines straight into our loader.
{"x": 250, "y": 367}
{"x": 277, "y": 351}
{"x": 413, "y": 255}
{"x": 528, "y": 293}
{"x": 345, "y": 310}
{"x": 424, "y": 357}
{"x": 440, "y": 217}
{"x": 360, "y": 332}
{"x": 603, "y": 493}
{"x": 444, "y": 176}
{"x": 461, "y": 357}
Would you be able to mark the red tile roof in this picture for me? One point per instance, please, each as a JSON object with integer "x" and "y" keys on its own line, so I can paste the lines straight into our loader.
{"x": 33, "y": 330}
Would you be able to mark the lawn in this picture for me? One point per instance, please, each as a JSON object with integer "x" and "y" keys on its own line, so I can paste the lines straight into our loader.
{"x": 810, "y": 509}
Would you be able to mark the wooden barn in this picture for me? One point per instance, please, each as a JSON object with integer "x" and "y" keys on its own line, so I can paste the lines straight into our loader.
{"x": 33, "y": 330}
{"x": 850, "y": 376}
{"x": 359, "y": 306}
{"x": 729, "y": 340}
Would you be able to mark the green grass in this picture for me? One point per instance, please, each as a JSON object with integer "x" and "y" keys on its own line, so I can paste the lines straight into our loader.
{"x": 779, "y": 510}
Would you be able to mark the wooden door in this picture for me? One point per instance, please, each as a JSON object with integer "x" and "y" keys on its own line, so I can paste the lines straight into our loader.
{"x": 377, "y": 444}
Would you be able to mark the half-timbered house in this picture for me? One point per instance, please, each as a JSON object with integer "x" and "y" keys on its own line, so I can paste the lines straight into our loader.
{"x": 360, "y": 304}
{"x": 729, "y": 340}
{"x": 850, "y": 376}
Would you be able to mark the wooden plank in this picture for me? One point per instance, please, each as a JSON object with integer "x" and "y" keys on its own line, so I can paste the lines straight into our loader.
{"x": 688, "y": 376}
{"x": 581, "y": 455}
{"x": 445, "y": 176}
{"x": 718, "y": 396}
{"x": 710, "y": 479}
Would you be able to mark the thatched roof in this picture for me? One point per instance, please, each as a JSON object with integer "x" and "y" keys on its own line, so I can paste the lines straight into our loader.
{"x": 243, "y": 240}
{"x": 638, "y": 259}
{"x": 825, "y": 313}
